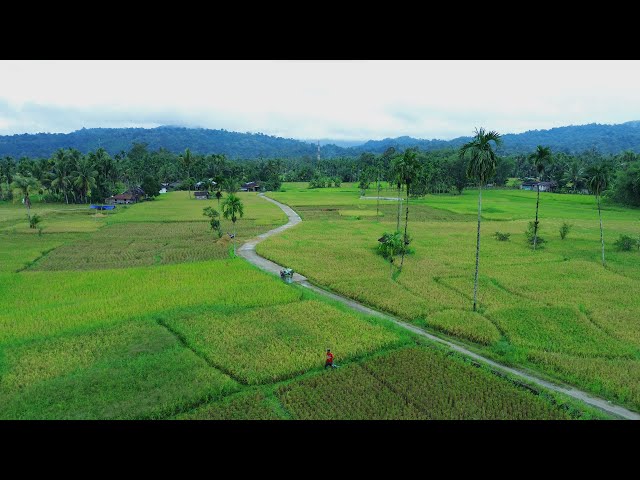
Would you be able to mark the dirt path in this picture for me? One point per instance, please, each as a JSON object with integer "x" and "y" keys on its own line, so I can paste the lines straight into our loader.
{"x": 248, "y": 251}
{"x": 381, "y": 198}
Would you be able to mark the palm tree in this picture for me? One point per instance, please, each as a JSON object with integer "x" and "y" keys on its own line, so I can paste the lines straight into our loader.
{"x": 218, "y": 196}
{"x": 481, "y": 167}
{"x": 24, "y": 183}
{"x": 232, "y": 207}
{"x": 397, "y": 166}
{"x": 378, "y": 190}
{"x": 410, "y": 166}
{"x": 381, "y": 162}
{"x": 84, "y": 176}
{"x": 540, "y": 159}
{"x": 187, "y": 162}
{"x": 106, "y": 166}
{"x": 61, "y": 179}
{"x": 598, "y": 179}
{"x": 574, "y": 174}
{"x": 7, "y": 169}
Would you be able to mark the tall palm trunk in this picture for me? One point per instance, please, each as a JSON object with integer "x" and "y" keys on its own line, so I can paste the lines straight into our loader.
{"x": 27, "y": 204}
{"x": 399, "y": 207}
{"x": 601, "y": 235}
{"x": 475, "y": 281}
{"x": 234, "y": 238}
{"x": 406, "y": 222}
{"x": 378, "y": 203}
{"x": 535, "y": 225}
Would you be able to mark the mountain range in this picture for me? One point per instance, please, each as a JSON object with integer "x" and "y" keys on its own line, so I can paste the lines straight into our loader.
{"x": 605, "y": 138}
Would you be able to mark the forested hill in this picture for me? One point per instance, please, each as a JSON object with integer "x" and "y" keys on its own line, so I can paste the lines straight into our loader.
{"x": 572, "y": 139}
{"x": 174, "y": 139}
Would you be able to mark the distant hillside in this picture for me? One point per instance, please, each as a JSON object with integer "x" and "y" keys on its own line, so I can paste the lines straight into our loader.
{"x": 572, "y": 139}
{"x": 175, "y": 139}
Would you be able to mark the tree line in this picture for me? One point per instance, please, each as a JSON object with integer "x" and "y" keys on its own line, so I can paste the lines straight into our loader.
{"x": 72, "y": 177}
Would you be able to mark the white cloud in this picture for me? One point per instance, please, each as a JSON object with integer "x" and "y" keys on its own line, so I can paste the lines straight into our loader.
{"x": 318, "y": 99}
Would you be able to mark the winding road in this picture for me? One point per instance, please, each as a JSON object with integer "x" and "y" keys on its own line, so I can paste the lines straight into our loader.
{"x": 248, "y": 251}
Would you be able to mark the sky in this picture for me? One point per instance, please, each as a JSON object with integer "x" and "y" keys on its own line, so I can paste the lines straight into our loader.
{"x": 318, "y": 99}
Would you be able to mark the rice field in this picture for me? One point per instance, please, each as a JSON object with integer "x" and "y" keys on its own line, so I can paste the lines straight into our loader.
{"x": 268, "y": 344}
{"x": 414, "y": 383}
{"x": 555, "y": 310}
{"x": 141, "y": 313}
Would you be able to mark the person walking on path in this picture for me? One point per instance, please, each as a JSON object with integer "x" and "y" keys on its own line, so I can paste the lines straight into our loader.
{"x": 329, "y": 362}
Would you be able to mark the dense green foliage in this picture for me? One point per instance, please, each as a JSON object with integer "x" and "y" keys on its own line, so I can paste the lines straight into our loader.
{"x": 625, "y": 243}
{"x": 68, "y": 175}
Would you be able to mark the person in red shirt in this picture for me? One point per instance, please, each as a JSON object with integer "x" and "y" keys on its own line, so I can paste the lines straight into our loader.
{"x": 329, "y": 362}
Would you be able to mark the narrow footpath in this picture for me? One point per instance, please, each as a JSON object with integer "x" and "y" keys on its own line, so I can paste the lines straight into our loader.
{"x": 248, "y": 251}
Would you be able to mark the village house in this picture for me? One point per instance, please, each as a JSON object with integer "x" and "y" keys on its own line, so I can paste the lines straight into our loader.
{"x": 134, "y": 195}
{"x": 122, "y": 198}
{"x": 544, "y": 186}
{"x": 167, "y": 187}
{"x": 201, "y": 195}
{"x": 251, "y": 187}
{"x": 205, "y": 183}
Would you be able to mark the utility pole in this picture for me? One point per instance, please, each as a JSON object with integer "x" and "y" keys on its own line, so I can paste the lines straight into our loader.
{"x": 318, "y": 151}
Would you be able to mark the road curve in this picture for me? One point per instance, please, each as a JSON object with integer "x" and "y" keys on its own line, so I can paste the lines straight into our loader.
{"x": 248, "y": 252}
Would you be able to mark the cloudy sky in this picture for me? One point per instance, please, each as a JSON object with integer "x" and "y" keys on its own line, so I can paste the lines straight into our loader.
{"x": 318, "y": 99}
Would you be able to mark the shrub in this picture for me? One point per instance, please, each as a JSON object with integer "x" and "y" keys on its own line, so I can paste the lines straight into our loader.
{"x": 529, "y": 233}
{"x": 390, "y": 245}
{"x": 503, "y": 237}
{"x": 625, "y": 243}
{"x": 34, "y": 220}
{"x": 564, "y": 230}
{"x": 53, "y": 197}
{"x": 319, "y": 181}
{"x": 213, "y": 215}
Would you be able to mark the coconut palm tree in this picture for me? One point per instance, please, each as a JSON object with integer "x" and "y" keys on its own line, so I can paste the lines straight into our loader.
{"x": 7, "y": 169}
{"x": 232, "y": 208}
{"x": 540, "y": 159}
{"x": 598, "y": 179}
{"x": 84, "y": 176}
{"x": 25, "y": 183}
{"x": 481, "y": 167}
{"x": 61, "y": 180}
{"x": 107, "y": 168}
{"x": 574, "y": 174}
{"x": 187, "y": 161}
